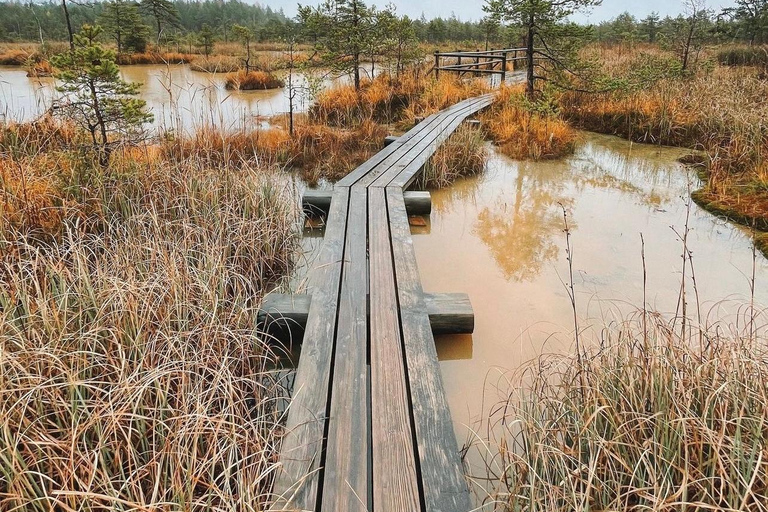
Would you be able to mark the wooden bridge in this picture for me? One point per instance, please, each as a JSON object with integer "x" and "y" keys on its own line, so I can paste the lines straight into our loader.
{"x": 368, "y": 425}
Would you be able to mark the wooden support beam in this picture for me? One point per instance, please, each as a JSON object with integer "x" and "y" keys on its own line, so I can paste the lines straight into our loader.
{"x": 318, "y": 202}
{"x": 389, "y": 139}
{"x": 449, "y": 313}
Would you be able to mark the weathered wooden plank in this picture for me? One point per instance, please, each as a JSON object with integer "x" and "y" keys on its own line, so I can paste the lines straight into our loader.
{"x": 403, "y": 176}
{"x": 345, "y": 485}
{"x": 406, "y": 142}
{"x": 395, "y": 478}
{"x": 445, "y": 489}
{"x": 377, "y": 159}
{"x": 297, "y": 481}
{"x": 421, "y": 151}
{"x": 417, "y": 202}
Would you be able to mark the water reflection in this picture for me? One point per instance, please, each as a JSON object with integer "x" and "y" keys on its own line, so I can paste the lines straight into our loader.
{"x": 499, "y": 237}
{"x": 179, "y": 98}
{"x": 518, "y": 226}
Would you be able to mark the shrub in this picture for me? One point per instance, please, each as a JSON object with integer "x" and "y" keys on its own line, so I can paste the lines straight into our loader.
{"x": 252, "y": 80}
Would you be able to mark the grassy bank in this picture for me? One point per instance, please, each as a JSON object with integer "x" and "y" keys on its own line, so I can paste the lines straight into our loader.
{"x": 720, "y": 110}
{"x": 646, "y": 420}
{"x": 522, "y": 132}
{"x": 132, "y": 375}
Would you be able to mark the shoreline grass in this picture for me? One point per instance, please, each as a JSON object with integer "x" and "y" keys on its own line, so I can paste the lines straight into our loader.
{"x": 252, "y": 81}
{"x": 132, "y": 373}
{"x": 645, "y": 420}
{"x": 522, "y": 133}
{"x": 720, "y": 111}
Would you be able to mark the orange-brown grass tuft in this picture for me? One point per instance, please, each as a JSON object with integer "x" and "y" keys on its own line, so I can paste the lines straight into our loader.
{"x": 463, "y": 154}
{"x": 317, "y": 151}
{"x": 14, "y": 57}
{"x": 388, "y": 99}
{"x": 40, "y": 69}
{"x": 521, "y": 133}
{"x": 154, "y": 58}
{"x": 252, "y": 80}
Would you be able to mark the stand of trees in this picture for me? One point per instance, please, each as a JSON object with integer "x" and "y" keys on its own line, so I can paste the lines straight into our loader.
{"x": 169, "y": 22}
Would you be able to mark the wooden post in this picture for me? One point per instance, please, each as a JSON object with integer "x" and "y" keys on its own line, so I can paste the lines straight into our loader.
{"x": 459, "y": 61}
{"x": 477, "y": 63}
{"x": 504, "y": 67}
{"x": 514, "y": 61}
{"x": 437, "y": 64}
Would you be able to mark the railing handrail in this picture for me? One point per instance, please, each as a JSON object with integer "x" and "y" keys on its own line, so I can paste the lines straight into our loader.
{"x": 481, "y": 53}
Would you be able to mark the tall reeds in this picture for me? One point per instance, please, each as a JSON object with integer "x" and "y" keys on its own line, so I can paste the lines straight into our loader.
{"x": 132, "y": 373}
{"x": 645, "y": 420}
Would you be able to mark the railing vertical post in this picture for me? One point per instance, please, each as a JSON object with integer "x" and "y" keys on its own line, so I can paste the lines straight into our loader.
{"x": 514, "y": 61}
{"x": 437, "y": 64}
{"x": 504, "y": 67}
{"x": 459, "y": 60}
{"x": 477, "y": 63}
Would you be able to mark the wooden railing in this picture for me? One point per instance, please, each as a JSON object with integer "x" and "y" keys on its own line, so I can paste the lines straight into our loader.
{"x": 490, "y": 62}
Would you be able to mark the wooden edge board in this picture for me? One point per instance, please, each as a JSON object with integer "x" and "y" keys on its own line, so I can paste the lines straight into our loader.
{"x": 417, "y": 202}
{"x": 395, "y": 474}
{"x": 449, "y": 313}
{"x": 345, "y": 467}
{"x": 415, "y": 151}
{"x": 297, "y": 480}
{"x": 444, "y": 486}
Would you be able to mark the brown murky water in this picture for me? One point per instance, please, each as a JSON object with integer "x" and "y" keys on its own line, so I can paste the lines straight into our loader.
{"x": 500, "y": 238}
{"x": 179, "y": 98}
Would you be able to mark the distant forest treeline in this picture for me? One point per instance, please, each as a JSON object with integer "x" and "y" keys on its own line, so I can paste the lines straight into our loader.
{"x": 44, "y": 21}
{"x": 33, "y": 21}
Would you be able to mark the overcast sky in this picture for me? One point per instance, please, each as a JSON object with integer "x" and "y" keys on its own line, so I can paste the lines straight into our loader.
{"x": 473, "y": 9}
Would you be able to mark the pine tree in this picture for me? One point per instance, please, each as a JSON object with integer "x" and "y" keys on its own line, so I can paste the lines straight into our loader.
{"x": 339, "y": 29}
{"x": 95, "y": 97}
{"x": 547, "y": 32}
{"x": 121, "y": 20}
{"x": 164, "y": 13}
{"x": 206, "y": 39}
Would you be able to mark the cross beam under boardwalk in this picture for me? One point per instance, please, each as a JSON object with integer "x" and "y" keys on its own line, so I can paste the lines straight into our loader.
{"x": 369, "y": 427}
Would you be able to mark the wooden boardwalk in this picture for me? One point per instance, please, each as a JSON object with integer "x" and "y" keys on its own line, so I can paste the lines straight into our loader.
{"x": 369, "y": 426}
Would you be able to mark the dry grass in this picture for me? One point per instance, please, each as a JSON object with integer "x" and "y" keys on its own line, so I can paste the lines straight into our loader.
{"x": 154, "y": 58}
{"x": 317, "y": 151}
{"x": 216, "y": 65}
{"x": 40, "y": 69}
{"x": 252, "y": 80}
{"x": 721, "y": 112}
{"x": 389, "y": 99}
{"x": 463, "y": 154}
{"x": 14, "y": 57}
{"x": 132, "y": 375}
{"x": 647, "y": 420}
{"x": 522, "y": 133}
